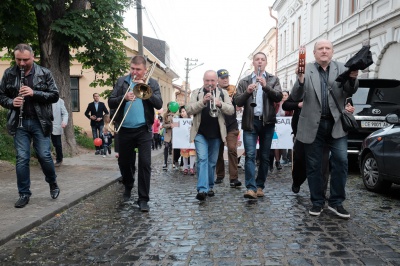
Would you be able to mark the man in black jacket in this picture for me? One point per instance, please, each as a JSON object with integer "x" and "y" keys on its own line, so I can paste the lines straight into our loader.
{"x": 136, "y": 129}
{"x": 95, "y": 112}
{"x": 28, "y": 91}
{"x": 262, "y": 89}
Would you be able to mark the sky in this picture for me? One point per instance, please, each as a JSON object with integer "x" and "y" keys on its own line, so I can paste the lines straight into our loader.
{"x": 219, "y": 34}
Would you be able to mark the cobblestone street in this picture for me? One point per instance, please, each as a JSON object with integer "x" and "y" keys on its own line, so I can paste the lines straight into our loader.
{"x": 225, "y": 230}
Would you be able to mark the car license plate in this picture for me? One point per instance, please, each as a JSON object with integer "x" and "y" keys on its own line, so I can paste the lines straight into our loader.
{"x": 373, "y": 124}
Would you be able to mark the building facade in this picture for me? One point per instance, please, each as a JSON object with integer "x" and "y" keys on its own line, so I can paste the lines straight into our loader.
{"x": 348, "y": 24}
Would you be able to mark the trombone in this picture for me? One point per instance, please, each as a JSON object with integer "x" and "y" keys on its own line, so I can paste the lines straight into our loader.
{"x": 140, "y": 90}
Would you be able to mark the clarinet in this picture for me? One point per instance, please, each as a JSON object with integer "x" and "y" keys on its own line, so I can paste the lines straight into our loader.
{"x": 21, "y": 108}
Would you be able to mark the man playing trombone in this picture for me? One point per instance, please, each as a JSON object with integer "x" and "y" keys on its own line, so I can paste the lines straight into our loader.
{"x": 135, "y": 97}
{"x": 257, "y": 94}
{"x": 208, "y": 106}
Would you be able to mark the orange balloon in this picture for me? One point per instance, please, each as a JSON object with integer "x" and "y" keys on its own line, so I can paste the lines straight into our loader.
{"x": 97, "y": 142}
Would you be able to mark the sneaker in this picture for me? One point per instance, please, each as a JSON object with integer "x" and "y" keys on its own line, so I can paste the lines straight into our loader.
{"x": 97, "y": 152}
{"x": 143, "y": 206}
{"x": 218, "y": 180}
{"x": 104, "y": 156}
{"x": 278, "y": 165}
{"x": 250, "y": 194}
{"x": 339, "y": 211}
{"x": 101, "y": 152}
{"x": 22, "y": 201}
{"x": 211, "y": 193}
{"x": 164, "y": 167}
{"x": 57, "y": 164}
{"x": 295, "y": 189}
{"x": 201, "y": 196}
{"x": 260, "y": 192}
{"x": 234, "y": 183}
{"x": 54, "y": 190}
{"x": 239, "y": 165}
{"x": 127, "y": 194}
{"x": 315, "y": 210}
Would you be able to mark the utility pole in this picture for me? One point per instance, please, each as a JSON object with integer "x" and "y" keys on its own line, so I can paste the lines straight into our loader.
{"x": 140, "y": 26}
{"x": 188, "y": 65}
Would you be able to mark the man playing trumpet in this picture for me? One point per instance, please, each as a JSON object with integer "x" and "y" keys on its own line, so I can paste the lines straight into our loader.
{"x": 208, "y": 106}
{"x": 136, "y": 117}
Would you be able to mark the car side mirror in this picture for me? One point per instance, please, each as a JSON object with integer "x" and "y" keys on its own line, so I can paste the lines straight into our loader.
{"x": 392, "y": 119}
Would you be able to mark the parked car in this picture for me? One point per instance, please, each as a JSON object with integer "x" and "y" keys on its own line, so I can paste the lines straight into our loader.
{"x": 374, "y": 99}
{"x": 380, "y": 156}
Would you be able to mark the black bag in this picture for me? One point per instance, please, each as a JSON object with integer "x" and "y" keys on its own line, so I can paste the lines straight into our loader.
{"x": 349, "y": 122}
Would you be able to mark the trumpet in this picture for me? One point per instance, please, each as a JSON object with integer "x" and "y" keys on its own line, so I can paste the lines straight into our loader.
{"x": 254, "y": 104}
{"x": 21, "y": 108}
{"x": 140, "y": 90}
{"x": 213, "y": 107}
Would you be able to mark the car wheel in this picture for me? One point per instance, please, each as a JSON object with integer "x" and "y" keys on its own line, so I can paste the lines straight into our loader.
{"x": 372, "y": 179}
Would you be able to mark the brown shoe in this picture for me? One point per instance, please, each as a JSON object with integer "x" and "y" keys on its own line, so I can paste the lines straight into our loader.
{"x": 250, "y": 194}
{"x": 260, "y": 192}
{"x": 57, "y": 164}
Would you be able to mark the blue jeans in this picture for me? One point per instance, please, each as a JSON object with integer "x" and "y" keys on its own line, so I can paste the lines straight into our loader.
{"x": 207, "y": 155}
{"x": 22, "y": 141}
{"x": 338, "y": 161}
{"x": 264, "y": 134}
{"x": 96, "y": 132}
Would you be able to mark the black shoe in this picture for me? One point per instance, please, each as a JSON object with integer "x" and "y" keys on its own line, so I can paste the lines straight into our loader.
{"x": 127, "y": 193}
{"x": 54, "y": 190}
{"x": 102, "y": 152}
{"x": 143, "y": 206}
{"x": 120, "y": 179}
{"x": 97, "y": 152}
{"x": 295, "y": 189}
{"x": 218, "y": 181}
{"x": 278, "y": 165}
{"x": 22, "y": 201}
{"x": 235, "y": 183}
{"x": 211, "y": 193}
{"x": 340, "y": 211}
{"x": 315, "y": 210}
{"x": 164, "y": 167}
{"x": 201, "y": 196}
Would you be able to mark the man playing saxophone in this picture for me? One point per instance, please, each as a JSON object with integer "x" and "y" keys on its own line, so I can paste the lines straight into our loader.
{"x": 34, "y": 98}
{"x": 136, "y": 116}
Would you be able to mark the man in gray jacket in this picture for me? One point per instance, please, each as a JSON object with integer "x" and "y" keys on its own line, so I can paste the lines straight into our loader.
{"x": 320, "y": 124}
{"x": 60, "y": 114}
{"x": 257, "y": 94}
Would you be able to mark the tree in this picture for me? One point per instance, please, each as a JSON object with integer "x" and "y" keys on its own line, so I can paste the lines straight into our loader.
{"x": 54, "y": 27}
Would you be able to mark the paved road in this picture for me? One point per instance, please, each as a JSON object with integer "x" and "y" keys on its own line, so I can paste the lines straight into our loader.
{"x": 224, "y": 230}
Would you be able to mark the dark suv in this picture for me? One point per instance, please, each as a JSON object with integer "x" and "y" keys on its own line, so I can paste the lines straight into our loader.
{"x": 374, "y": 99}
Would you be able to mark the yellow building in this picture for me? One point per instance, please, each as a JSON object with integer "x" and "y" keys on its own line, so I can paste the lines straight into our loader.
{"x": 81, "y": 92}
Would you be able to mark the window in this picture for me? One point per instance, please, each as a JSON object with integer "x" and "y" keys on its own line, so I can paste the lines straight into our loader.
{"x": 299, "y": 32}
{"x": 353, "y": 6}
{"x": 75, "y": 94}
{"x": 338, "y": 11}
{"x": 292, "y": 38}
{"x": 315, "y": 19}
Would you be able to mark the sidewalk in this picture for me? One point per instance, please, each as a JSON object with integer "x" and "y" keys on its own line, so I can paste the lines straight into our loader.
{"x": 78, "y": 178}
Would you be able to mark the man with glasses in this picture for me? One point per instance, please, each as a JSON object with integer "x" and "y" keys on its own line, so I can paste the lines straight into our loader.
{"x": 30, "y": 89}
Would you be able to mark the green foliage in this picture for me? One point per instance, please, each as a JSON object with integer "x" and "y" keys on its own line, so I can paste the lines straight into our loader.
{"x": 7, "y": 151}
{"x": 82, "y": 138}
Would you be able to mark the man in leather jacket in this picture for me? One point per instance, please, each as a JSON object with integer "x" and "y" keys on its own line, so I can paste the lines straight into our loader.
{"x": 136, "y": 129}
{"x": 28, "y": 91}
{"x": 262, "y": 89}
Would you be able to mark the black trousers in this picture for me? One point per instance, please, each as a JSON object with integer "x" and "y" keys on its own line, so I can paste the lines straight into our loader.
{"x": 56, "y": 140}
{"x": 129, "y": 139}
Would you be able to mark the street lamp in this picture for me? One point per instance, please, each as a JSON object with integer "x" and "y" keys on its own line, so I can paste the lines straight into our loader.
{"x": 187, "y": 79}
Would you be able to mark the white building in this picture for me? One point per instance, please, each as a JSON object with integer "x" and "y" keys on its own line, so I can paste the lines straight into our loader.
{"x": 348, "y": 24}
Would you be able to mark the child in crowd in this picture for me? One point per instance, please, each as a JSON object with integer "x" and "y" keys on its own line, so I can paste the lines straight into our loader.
{"x": 106, "y": 136}
{"x": 188, "y": 155}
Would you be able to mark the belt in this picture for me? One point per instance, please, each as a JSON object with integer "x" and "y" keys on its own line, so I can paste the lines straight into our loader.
{"x": 326, "y": 117}
{"x": 258, "y": 117}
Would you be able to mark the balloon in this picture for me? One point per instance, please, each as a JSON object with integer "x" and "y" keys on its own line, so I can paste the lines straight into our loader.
{"x": 173, "y": 107}
{"x": 97, "y": 142}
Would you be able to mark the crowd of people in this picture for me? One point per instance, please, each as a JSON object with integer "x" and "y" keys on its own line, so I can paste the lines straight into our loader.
{"x": 319, "y": 152}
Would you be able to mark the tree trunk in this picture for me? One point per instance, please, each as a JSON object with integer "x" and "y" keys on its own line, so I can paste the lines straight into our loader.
{"x": 55, "y": 56}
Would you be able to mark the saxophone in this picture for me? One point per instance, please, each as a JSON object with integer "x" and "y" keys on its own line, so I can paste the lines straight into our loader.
{"x": 21, "y": 108}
